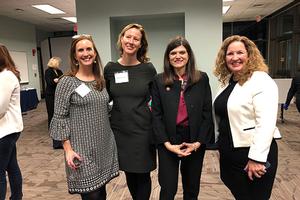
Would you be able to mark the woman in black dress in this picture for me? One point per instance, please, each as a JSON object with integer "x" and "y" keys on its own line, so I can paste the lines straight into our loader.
{"x": 128, "y": 81}
{"x": 52, "y": 75}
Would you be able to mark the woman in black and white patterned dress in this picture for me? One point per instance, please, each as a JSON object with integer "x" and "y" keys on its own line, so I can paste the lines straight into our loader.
{"x": 81, "y": 121}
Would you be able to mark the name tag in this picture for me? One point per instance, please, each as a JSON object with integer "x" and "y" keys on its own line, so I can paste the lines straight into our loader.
{"x": 82, "y": 90}
{"x": 121, "y": 77}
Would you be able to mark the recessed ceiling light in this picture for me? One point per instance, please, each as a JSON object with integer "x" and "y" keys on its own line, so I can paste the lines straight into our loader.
{"x": 227, "y": 0}
{"x": 225, "y": 9}
{"x": 49, "y": 9}
{"x": 71, "y": 19}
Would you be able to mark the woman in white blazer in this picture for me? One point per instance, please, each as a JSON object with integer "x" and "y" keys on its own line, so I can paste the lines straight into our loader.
{"x": 245, "y": 114}
{"x": 11, "y": 125}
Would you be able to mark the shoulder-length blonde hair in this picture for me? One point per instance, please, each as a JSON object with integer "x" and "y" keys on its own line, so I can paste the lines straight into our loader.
{"x": 54, "y": 62}
{"x": 97, "y": 65}
{"x": 255, "y": 61}
{"x": 142, "y": 52}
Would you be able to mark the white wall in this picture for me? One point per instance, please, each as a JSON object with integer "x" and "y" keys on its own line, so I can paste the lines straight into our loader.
{"x": 21, "y": 36}
{"x": 203, "y": 25}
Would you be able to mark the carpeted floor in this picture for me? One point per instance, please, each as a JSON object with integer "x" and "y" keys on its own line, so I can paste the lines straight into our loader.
{"x": 44, "y": 174}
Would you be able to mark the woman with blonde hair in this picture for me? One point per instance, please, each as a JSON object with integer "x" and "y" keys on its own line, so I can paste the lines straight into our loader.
{"x": 128, "y": 81}
{"x": 52, "y": 75}
{"x": 245, "y": 111}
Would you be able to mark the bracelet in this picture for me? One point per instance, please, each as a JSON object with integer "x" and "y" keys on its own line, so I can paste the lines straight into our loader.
{"x": 195, "y": 147}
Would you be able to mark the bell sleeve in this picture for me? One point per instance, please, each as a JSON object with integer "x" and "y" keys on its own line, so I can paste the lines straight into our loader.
{"x": 60, "y": 123}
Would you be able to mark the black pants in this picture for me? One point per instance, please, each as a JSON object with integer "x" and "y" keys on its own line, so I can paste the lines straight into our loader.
{"x": 9, "y": 164}
{"x": 50, "y": 111}
{"x": 232, "y": 164}
{"x": 99, "y": 194}
{"x": 139, "y": 185}
{"x": 190, "y": 168}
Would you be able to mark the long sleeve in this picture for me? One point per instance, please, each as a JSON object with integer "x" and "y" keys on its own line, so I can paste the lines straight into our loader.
{"x": 292, "y": 92}
{"x": 159, "y": 129}
{"x": 206, "y": 130}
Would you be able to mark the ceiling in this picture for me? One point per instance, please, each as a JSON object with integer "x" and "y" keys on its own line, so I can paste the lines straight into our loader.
{"x": 241, "y": 10}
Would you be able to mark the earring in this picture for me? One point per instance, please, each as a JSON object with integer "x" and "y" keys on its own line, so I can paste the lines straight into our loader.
{"x": 77, "y": 64}
{"x": 95, "y": 61}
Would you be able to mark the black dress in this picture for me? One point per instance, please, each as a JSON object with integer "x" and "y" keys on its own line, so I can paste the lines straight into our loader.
{"x": 131, "y": 116}
{"x": 50, "y": 75}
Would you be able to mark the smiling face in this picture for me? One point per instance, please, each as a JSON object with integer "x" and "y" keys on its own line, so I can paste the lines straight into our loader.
{"x": 85, "y": 53}
{"x": 131, "y": 41}
{"x": 236, "y": 56}
{"x": 178, "y": 58}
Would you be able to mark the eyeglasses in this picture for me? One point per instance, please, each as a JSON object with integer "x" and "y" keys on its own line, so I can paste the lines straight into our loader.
{"x": 81, "y": 35}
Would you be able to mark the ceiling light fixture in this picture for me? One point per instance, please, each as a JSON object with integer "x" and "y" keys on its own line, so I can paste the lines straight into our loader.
{"x": 71, "y": 19}
{"x": 225, "y": 9}
{"x": 49, "y": 9}
{"x": 227, "y": 0}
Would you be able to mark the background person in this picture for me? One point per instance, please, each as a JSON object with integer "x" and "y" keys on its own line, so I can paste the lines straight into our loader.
{"x": 81, "y": 121}
{"x": 52, "y": 75}
{"x": 128, "y": 82}
{"x": 11, "y": 125}
{"x": 294, "y": 91}
{"x": 246, "y": 113}
{"x": 182, "y": 120}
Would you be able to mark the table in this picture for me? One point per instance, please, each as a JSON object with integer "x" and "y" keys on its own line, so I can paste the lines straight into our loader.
{"x": 29, "y": 100}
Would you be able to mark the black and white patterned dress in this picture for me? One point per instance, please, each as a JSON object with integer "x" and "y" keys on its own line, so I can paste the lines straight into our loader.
{"x": 84, "y": 121}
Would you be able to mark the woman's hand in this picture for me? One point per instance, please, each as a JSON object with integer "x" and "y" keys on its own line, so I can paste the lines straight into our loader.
{"x": 71, "y": 155}
{"x": 255, "y": 169}
{"x": 178, "y": 149}
{"x": 190, "y": 147}
{"x": 56, "y": 80}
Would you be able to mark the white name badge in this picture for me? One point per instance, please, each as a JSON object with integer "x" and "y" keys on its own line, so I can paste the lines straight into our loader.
{"x": 82, "y": 90}
{"x": 121, "y": 77}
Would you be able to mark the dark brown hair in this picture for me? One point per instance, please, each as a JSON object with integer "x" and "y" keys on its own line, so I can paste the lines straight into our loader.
{"x": 191, "y": 72}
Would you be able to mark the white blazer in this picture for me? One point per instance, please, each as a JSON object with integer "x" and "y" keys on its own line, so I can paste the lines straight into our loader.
{"x": 252, "y": 112}
{"x": 10, "y": 110}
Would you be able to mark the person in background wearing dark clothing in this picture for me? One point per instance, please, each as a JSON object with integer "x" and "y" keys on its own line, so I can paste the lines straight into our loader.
{"x": 245, "y": 110}
{"x": 128, "y": 82}
{"x": 11, "y": 125}
{"x": 294, "y": 91}
{"x": 182, "y": 120}
{"x": 52, "y": 75}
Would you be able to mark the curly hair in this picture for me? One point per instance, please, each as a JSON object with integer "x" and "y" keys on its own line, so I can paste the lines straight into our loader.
{"x": 142, "y": 52}
{"x": 255, "y": 61}
{"x": 97, "y": 65}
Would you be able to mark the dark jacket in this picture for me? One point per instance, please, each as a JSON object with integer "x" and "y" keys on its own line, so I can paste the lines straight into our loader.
{"x": 50, "y": 75}
{"x": 165, "y": 100}
{"x": 294, "y": 90}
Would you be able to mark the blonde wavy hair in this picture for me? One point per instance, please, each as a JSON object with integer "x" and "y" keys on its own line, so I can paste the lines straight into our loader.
{"x": 255, "y": 61}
